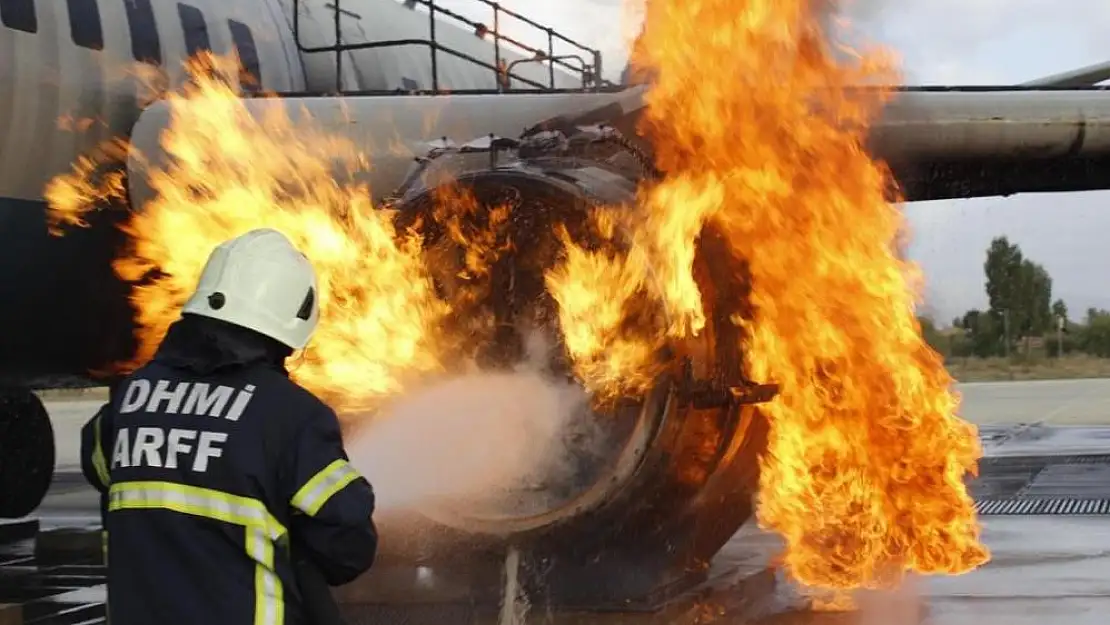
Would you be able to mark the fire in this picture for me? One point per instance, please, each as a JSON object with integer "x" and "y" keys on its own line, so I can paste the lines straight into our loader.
{"x": 760, "y": 136}
{"x": 760, "y": 139}
{"x": 594, "y": 290}
{"x": 229, "y": 173}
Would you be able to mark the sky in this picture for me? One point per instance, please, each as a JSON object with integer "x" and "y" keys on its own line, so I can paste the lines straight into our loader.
{"x": 983, "y": 42}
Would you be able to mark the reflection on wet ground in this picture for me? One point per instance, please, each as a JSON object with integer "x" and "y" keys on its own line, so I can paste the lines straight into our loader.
{"x": 62, "y": 582}
{"x": 51, "y": 593}
{"x": 1046, "y": 569}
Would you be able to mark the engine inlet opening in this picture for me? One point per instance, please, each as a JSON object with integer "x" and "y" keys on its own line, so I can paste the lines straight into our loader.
{"x": 489, "y": 239}
{"x": 492, "y": 229}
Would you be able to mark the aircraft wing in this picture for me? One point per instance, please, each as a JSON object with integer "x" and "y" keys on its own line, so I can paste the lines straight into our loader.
{"x": 1051, "y": 135}
{"x": 963, "y": 142}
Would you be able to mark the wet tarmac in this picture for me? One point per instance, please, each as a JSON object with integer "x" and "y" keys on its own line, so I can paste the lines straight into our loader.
{"x": 1047, "y": 568}
{"x": 1043, "y": 571}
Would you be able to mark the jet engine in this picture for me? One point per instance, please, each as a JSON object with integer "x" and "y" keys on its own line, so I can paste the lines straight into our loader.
{"x": 641, "y": 516}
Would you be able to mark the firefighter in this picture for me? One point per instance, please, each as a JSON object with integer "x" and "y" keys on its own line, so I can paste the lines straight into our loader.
{"x": 223, "y": 479}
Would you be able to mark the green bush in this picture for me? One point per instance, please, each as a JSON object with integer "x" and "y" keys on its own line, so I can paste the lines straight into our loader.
{"x": 1070, "y": 344}
{"x": 1094, "y": 338}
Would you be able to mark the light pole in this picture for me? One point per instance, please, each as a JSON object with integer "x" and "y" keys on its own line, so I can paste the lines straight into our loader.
{"x": 1060, "y": 321}
{"x": 1006, "y": 331}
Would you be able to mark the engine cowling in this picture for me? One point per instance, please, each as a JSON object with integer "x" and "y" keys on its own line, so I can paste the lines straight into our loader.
{"x": 679, "y": 462}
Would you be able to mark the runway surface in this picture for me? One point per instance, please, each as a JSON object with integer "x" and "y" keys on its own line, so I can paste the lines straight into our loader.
{"x": 1052, "y": 402}
{"x": 1044, "y": 569}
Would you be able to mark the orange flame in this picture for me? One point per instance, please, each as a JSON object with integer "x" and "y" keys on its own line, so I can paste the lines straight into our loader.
{"x": 593, "y": 289}
{"x": 230, "y": 172}
{"x": 757, "y": 126}
{"x": 760, "y": 137}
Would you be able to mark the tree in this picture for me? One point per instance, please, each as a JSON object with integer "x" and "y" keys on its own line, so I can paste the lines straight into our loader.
{"x": 970, "y": 320}
{"x": 1034, "y": 300}
{"x": 1094, "y": 313}
{"x": 1003, "y": 270}
{"x": 1019, "y": 292}
{"x": 1060, "y": 310}
{"x": 982, "y": 335}
{"x": 1095, "y": 337}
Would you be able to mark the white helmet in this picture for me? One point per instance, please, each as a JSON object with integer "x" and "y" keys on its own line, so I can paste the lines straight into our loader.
{"x": 261, "y": 282}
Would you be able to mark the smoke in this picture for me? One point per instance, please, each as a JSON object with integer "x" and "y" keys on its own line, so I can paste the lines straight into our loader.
{"x": 476, "y": 440}
{"x": 863, "y": 10}
{"x": 846, "y": 21}
{"x": 902, "y": 606}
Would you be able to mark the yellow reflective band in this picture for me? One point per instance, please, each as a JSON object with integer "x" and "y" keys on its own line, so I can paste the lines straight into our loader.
{"x": 318, "y": 490}
{"x": 261, "y": 530}
{"x": 99, "y": 463}
{"x": 197, "y": 501}
{"x": 104, "y": 547}
{"x": 269, "y": 603}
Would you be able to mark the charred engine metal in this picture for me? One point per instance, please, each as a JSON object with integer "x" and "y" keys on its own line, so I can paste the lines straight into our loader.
{"x": 668, "y": 477}
{"x": 720, "y": 393}
{"x": 602, "y": 144}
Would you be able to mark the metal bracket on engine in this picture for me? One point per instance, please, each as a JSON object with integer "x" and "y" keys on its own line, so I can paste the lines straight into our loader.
{"x": 562, "y": 140}
{"x": 708, "y": 394}
{"x": 490, "y": 143}
{"x": 556, "y": 141}
{"x": 539, "y": 141}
